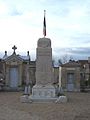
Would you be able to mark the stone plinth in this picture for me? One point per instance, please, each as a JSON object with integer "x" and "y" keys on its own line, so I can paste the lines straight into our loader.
{"x": 43, "y": 91}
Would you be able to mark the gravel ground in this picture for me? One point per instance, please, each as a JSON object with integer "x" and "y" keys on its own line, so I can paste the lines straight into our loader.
{"x": 77, "y": 108}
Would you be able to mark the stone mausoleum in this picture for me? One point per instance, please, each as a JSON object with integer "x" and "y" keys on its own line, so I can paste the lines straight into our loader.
{"x": 13, "y": 70}
{"x": 75, "y": 75}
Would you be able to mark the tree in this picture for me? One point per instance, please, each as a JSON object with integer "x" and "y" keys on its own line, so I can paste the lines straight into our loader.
{"x": 59, "y": 62}
{"x": 53, "y": 62}
{"x": 64, "y": 59}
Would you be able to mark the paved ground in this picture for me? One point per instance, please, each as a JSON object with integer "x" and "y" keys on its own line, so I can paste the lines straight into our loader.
{"x": 77, "y": 108}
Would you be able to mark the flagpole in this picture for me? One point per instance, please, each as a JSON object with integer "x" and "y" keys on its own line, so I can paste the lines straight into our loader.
{"x": 44, "y": 13}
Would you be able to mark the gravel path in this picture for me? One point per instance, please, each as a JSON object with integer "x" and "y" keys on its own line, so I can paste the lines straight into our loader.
{"x": 77, "y": 108}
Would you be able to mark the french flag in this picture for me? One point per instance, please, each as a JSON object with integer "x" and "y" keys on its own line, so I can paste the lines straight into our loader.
{"x": 44, "y": 25}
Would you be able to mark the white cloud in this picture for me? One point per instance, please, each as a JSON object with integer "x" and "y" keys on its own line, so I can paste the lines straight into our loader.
{"x": 21, "y": 23}
{"x": 3, "y": 9}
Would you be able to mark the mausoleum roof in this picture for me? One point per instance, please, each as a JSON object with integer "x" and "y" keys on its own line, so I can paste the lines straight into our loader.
{"x": 71, "y": 64}
{"x": 25, "y": 57}
{"x": 4, "y": 57}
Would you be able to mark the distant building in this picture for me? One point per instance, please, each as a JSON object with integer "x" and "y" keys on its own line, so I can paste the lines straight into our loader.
{"x": 75, "y": 75}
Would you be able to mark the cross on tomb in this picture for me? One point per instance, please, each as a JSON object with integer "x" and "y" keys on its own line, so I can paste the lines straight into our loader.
{"x": 14, "y": 48}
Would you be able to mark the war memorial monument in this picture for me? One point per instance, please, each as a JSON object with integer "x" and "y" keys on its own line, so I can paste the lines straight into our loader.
{"x": 43, "y": 90}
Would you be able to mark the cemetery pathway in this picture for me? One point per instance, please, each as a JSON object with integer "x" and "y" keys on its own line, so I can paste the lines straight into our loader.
{"x": 77, "y": 108}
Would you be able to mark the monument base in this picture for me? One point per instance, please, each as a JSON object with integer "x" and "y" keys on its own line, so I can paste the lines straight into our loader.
{"x": 45, "y": 94}
{"x": 42, "y": 93}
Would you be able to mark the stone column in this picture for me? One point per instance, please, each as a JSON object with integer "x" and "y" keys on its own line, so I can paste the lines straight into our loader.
{"x": 20, "y": 75}
{"x": 27, "y": 86}
{"x": 7, "y": 76}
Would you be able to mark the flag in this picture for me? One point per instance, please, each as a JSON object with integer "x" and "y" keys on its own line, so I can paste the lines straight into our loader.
{"x": 44, "y": 25}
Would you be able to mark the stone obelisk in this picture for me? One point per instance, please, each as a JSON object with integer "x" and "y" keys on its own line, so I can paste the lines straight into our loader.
{"x": 44, "y": 88}
{"x": 44, "y": 77}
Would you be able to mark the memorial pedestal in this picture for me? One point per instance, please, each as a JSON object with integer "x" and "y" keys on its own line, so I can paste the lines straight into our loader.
{"x": 43, "y": 93}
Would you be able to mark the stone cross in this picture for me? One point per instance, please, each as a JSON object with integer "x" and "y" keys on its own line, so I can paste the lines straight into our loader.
{"x": 14, "y": 48}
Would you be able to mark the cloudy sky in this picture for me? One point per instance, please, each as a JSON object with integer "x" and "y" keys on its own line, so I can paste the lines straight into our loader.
{"x": 67, "y": 21}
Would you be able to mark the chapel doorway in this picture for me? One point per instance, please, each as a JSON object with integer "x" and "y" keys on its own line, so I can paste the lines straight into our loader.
{"x": 70, "y": 82}
{"x": 14, "y": 77}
